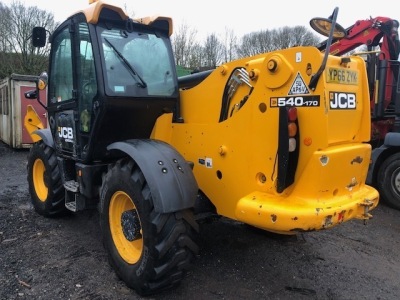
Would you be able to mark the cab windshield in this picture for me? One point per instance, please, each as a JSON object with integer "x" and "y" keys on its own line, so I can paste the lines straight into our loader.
{"x": 137, "y": 64}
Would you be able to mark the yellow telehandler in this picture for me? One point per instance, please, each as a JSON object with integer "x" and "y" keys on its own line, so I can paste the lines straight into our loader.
{"x": 278, "y": 141}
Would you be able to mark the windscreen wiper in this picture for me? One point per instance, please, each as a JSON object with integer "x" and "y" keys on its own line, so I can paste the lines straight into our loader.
{"x": 131, "y": 69}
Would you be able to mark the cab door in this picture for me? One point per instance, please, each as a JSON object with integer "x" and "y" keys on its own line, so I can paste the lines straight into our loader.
{"x": 62, "y": 98}
{"x": 72, "y": 87}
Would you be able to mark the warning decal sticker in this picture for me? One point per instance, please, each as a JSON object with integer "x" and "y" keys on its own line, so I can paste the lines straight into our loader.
{"x": 298, "y": 86}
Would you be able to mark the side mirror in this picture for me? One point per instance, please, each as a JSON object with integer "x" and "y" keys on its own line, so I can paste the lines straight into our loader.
{"x": 38, "y": 37}
{"x": 330, "y": 28}
{"x": 31, "y": 94}
{"x": 323, "y": 26}
{"x": 41, "y": 84}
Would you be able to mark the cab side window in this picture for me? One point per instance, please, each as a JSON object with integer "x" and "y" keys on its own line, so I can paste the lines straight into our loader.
{"x": 87, "y": 82}
{"x": 61, "y": 75}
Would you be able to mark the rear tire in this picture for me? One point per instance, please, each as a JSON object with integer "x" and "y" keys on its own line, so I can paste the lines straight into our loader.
{"x": 388, "y": 182}
{"x": 44, "y": 180}
{"x": 149, "y": 251}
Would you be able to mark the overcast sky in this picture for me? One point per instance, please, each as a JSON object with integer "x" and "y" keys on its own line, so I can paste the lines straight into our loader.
{"x": 213, "y": 16}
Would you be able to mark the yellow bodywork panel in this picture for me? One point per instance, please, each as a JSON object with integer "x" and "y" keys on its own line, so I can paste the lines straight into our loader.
{"x": 234, "y": 144}
{"x": 32, "y": 123}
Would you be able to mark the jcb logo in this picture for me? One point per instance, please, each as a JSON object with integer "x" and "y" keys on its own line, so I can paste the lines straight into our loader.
{"x": 65, "y": 132}
{"x": 342, "y": 100}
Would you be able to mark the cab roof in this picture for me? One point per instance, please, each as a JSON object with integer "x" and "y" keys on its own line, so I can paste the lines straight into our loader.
{"x": 93, "y": 11}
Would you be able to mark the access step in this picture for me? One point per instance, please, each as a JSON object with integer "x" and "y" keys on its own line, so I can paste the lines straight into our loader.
{"x": 71, "y": 186}
{"x": 74, "y": 201}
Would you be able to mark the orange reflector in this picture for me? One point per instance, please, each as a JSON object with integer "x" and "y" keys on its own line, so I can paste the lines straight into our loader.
{"x": 307, "y": 141}
{"x": 292, "y": 114}
{"x": 292, "y": 128}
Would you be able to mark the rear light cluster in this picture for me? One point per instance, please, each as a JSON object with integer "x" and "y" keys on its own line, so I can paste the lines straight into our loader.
{"x": 292, "y": 128}
{"x": 288, "y": 147}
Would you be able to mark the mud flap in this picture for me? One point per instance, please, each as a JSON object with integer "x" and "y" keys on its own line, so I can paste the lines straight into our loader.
{"x": 170, "y": 177}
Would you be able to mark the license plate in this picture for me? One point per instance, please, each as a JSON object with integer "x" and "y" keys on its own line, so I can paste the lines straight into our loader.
{"x": 342, "y": 76}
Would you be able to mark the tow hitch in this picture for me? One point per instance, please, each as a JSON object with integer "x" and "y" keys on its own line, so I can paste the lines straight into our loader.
{"x": 367, "y": 205}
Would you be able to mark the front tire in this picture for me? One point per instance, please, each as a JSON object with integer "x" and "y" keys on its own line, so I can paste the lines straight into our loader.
{"x": 389, "y": 181}
{"x": 44, "y": 180}
{"x": 149, "y": 251}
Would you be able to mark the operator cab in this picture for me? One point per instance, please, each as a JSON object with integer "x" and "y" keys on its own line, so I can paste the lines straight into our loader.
{"x": 110, "y": 78}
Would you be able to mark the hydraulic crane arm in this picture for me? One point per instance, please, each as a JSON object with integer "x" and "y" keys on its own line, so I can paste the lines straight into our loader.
{"x": 379, "y": 31}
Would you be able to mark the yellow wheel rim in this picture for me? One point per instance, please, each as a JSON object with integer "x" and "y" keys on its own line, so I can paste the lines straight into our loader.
{"x": 38, "y": 180}
{"x": 130, "y": 251}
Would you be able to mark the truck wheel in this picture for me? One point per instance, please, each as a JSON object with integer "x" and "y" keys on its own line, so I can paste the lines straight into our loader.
{"x": 389, "y": 181}
{"x": 44, "y": 180}
{"x": 149, "y": 251}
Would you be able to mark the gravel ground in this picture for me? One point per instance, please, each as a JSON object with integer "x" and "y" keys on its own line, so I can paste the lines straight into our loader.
{"x": 63, "y": 258}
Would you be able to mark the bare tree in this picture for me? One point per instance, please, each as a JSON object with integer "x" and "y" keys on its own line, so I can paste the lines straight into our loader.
{"x": 302, "y": 36}
{"x": 213, "y": 51}
{"x": 270, "y": 40}
{"x": 230, "y": 41}
{"x": 4, "y": 27}
{"x": 17, "y": 22}
{"x": 196, "y": 57}
{"x": 256, "y": 43}
{"x": 287, "y": 37}
{"x": 183, "y": 41}
{"x": 282, "y": 37}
